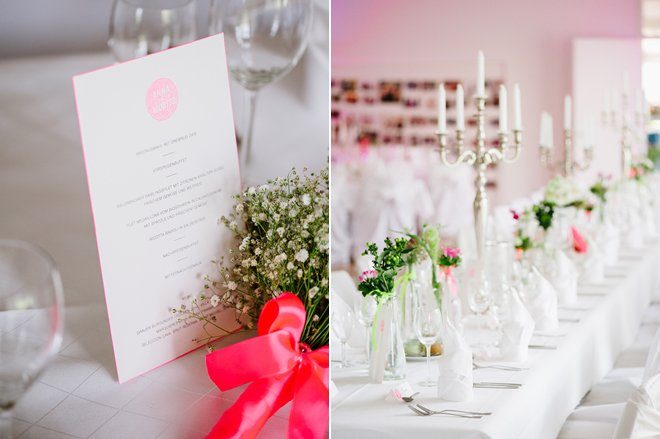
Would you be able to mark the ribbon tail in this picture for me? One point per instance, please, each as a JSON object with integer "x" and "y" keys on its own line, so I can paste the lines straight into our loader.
{"x": 254, "y": 407}
{"x": 309, "y": 411}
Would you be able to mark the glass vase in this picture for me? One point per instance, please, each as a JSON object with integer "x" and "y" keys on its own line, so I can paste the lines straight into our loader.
{"x": 388, "y": 358}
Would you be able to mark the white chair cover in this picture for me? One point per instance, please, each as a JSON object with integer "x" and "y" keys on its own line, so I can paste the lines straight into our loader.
{"x": 641, "y": 416}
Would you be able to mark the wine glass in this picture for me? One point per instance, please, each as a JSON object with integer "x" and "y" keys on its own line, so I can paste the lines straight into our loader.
{"x": 265, "y": 39}
{"x": 31, "y": 320}
{"x": 143, "y": 27}
{"x": 342, "y": 326}
{"x": 428, "y": 324}
{"x": 366, "y": 312}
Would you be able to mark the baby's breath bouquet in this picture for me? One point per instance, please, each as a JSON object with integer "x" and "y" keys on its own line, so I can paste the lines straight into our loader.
{"x": 282, "y": 236}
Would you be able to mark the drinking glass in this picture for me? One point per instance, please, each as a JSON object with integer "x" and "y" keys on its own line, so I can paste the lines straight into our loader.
{"x": 342, "y": 326}
{"x": 366, "y": 312}
{"x": 143, "y": 27}
{"x": 265, "y": 39}
{"x": 428, "y": 324}
{"x": 31, "y": 320}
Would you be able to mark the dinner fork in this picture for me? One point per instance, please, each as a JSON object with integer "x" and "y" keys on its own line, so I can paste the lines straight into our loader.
{"x": 423, "y": 413}
{"x": 426, "y": 409}
{"x": 498, "y": 367}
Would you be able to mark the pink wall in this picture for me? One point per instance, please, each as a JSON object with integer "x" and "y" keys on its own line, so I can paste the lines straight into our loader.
{"x": 532, "y": 38}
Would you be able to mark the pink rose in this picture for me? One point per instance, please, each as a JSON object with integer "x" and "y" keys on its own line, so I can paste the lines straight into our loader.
{"x": 367, "y": 274}
{"x": 452, "y": 252}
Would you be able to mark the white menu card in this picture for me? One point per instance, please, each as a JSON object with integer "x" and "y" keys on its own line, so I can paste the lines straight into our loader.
{"x": 160, "y": 151}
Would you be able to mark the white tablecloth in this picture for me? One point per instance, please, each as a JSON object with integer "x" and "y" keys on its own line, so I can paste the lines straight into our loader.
{"x": 44, "y": 199}
{"x": 552, "y": 387}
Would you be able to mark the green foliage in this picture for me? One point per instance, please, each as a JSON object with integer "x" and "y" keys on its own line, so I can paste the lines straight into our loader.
{"x": 599, "y": 189}
{"x": 386, "y": 265}
{"x": 544, "y": 211}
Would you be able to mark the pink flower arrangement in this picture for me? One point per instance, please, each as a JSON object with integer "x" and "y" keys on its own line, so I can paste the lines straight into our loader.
{"x": 452, "y": 252}
{"x": 450, "y": 257}
{"x": 367, "y": 274}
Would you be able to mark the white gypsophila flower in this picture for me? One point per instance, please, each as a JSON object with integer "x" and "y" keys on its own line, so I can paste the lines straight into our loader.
{"x": 280, "y": 231}
{"x": 262, "y": 216}
{"x": 215, "y": 300}
{"x": 293, "y": 213}
{"x": 253, "y": 262}
{"x": 240, "y": 208}
{"x": 276, "y": 216}
{"x": 313, "y": 292}
{"x": 231, "y": 285}
{"x": 283, "y": 204}
{"x": 299, "y": 273}
{"x": 302, "y": 255}
{"x": 315, "y": 318}
{"x": 304, "y": 234}
{"x": 324, "y": 282}
{"x": 306, "y": 199}
{"x": 257, "y": 251}
{"x": 290, "y": 266}
{"x": 252, "y": 190}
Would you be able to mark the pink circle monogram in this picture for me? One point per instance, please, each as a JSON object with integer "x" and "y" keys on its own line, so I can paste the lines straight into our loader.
{"x": 162, "y": 99}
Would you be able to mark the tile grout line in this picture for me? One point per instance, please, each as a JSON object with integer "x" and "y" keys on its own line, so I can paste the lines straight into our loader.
{"x": 63, "y": 399}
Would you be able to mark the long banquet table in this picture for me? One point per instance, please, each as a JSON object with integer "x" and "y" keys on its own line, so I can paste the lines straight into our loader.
{"x": 609, "y": 313}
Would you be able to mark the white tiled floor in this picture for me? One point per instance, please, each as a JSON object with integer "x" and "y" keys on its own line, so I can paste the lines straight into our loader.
{"x": 78, "y": 396}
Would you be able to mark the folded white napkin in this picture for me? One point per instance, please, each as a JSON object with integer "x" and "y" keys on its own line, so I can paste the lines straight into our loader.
{"x": 564, "y": 279}
{"x": 333, "y": 390}
{"x": 652, "y": 366}
{"x": 455, "y": 367}
{"x": 540, "y": 298}
{"x": 592, "y": 266}
{"x": 608, "y": 239}
{"x": 517, "y": 330}
{"x": 634, "y": 236}
{"x": 641, "y": 416}
{"x": 400, "y": 391}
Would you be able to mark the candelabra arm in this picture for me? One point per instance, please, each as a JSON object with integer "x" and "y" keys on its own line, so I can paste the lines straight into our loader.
{"x": 587, "y": 159}
{"x": 504, "y": 146}
{"x": 462, "y": 156}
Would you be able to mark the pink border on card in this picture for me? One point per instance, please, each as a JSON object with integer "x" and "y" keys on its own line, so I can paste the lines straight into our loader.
{"x": 75, "y": 97}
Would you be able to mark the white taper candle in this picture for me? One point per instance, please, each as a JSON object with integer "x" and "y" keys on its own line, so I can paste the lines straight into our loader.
{"x": 460, "y": 105}
{"x": 442, "y": 109}
{"x": 568, "y": 112}
{"x": 551, "y": 135}
{"x": 517, "y": 108}
{"x": 503, "y": 109}
{"x": 481, "y": 74}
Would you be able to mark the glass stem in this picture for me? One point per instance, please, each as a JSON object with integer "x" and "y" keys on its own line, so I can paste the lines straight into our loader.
{"x": 368, "y": 345}
{"x": 428, "y": 363}
{"x": 344, "y": 362}
{"x": 248, "y": 123}
{"x": 5, "y": 424}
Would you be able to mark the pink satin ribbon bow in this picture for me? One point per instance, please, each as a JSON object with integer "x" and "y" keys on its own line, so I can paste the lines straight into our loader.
{"x": 450, "y": 281}
{"x": 280, "y": 368}
{"x": 579, "y": 243}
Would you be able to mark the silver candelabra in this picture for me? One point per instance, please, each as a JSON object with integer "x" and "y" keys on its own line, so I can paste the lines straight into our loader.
{"x": 480, "y": 158}
{"x": 570, "y": 163}
{"x": 610, "y": 120}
